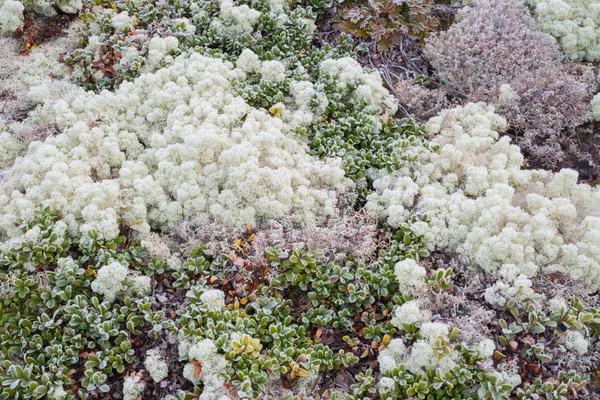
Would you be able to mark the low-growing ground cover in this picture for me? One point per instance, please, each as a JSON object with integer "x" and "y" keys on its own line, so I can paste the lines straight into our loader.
{"x": 222, "y": 200}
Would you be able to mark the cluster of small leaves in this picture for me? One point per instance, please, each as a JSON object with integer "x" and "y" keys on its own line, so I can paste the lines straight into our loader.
{"x": 336, "y": 292}
{"x": 347, "y": 130}
{"x": 404, "y": 242}
{"x": 57, "y": 334}
{"x": 100, "y": 68}
{"x": 29, "y": 254}
{"x": 387, "y": 22}
{"x": 346, "y": 127}
{"x": 351, "y": 294}
{"x": 305, "y": 60}
{"x": 461, "y": 382}
{"x": 262, "y": 338}
{"x": 199, "y": 264}
{"x": 566, "y": 386}
{"x": 520, "y": 338}
{"x": 104, "y": 67}
{"x": 440, "y": 280}
{"x": 536, "y": 319}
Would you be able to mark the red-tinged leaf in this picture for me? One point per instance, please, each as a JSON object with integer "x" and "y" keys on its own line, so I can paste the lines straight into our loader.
{"x": 528, "y": 340}
{"x": 264, "y": 272}
{"x": 198, "y": 368}
{"x": 556, "y": 277}
{"x": 239, "y": 262}
{"x": 302, "y": 358}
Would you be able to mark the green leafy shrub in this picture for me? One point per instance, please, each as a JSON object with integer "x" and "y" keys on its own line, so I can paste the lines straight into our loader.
{"x": 260, "y": 331}
{"x": 110, "y": 53}
{"x": 54, "y": 322}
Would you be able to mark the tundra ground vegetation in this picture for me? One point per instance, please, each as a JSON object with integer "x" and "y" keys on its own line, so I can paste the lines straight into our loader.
{"x": 202, "y": 200}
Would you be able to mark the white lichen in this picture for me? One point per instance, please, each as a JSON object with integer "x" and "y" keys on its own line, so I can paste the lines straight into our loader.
{"x": 156, "y": 365}
{"x": 213, "y": 299}
{"x": 115, "y": 278}
{"x": 576, "y": 342}
{"x": 133, "y": 387}
{"x": 410, "y": 313}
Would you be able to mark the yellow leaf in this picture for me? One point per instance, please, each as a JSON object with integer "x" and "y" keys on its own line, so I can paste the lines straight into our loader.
{"x": 365, "y": 353}
{"x": 386, "y": 339}
{"x": 277, "y": 110}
